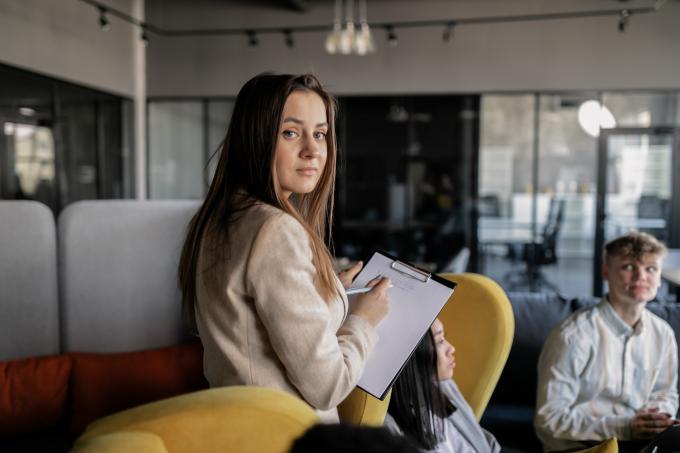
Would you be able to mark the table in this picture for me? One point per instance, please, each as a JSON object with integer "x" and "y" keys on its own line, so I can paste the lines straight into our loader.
{"x": 499, "y": 230}
{"x": 671, "y": 267}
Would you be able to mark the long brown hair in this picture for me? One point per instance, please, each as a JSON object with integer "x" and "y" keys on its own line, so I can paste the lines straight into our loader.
{"x": 245, "y": 175}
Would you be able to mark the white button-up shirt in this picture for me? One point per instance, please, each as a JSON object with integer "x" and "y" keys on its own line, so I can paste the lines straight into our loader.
{"x": 595, "y": 371}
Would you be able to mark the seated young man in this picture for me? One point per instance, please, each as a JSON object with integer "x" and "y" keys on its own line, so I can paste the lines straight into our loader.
{"x": 611, "y": 370}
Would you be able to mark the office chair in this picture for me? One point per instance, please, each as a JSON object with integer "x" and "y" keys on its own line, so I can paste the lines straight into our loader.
{"x": 489, "y": 206}
{"x": 236, "y": 419}
{"x": 654, "y": 207}
{"x": 459, "y": 263}
{"x": 540, "y": 253}
{"x": 478, "y": 321}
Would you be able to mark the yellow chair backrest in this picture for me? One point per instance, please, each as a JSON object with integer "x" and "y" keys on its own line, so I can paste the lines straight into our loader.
{"x": 237, "y": 419}
{"x": 360, "y": 408}
{"x": 478, "y": 321}
{"x": 608, "y": 446}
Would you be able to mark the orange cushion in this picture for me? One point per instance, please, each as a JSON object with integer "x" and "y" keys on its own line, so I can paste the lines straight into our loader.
{"x": 106, "y": 383}
{"x": 33, "y": 394}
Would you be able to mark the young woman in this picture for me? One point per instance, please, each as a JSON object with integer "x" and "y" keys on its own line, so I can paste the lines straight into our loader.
{"x": 427, "y": 407}
{"x": 256, "y": 277}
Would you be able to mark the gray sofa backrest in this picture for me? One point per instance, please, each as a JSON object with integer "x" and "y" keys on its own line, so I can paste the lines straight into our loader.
{"x": 28, "y": 281}
{"x": 535, "y": 316}
{"x": 118, "y": 274}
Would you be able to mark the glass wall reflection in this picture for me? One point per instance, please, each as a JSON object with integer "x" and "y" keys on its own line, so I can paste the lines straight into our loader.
{"x": 184, "y": 141}
{"x": 538, "y": 185}
{"x": 60, "y": 143}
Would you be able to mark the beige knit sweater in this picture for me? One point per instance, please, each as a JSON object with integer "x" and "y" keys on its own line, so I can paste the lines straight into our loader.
{"x": 264, "y": 323}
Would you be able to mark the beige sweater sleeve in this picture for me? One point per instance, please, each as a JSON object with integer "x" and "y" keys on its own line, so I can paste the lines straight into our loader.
{"x": 322, "y": 363}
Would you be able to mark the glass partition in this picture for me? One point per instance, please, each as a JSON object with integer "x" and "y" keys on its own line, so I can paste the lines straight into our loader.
{"x": 643, "y": 109}
{"x": 176, "y": 150}
{"x": 506, "y": 186}
{"x": 61, "y": 142}
{"x": 184, "y": 140}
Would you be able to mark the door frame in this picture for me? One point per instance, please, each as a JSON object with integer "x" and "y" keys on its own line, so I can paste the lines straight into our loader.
{"x": 602, "y": 150}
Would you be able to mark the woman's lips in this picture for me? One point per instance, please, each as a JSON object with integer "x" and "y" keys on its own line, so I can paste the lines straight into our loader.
{"x": 308, "y": 171}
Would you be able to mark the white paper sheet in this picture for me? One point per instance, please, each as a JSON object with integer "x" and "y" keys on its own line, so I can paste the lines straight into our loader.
{"x": 415, "y": 302}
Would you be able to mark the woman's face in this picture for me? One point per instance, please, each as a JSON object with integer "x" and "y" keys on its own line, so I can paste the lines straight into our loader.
{"x": 301, "y": 144}
{"x": 445, "y": 359}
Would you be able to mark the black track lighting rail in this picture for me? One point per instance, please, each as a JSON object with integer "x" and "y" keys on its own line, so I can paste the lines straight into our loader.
{"x": 626, "y": 13}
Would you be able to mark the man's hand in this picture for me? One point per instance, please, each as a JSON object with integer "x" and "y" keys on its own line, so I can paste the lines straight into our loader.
{"x": 348, "y": 275}
{"x": 648, "y": 422}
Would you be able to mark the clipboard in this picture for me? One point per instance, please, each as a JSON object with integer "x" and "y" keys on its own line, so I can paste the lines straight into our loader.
{"x": 416, "y": 298}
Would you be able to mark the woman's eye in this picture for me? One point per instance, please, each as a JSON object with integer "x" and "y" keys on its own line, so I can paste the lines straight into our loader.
{"x": 289, "y": 134}
{"x": 652, "y": 270}
{"x": 320, "y": 135}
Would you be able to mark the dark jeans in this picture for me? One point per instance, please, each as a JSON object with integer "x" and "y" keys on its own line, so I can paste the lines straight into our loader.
{"x": 666, "y": 442}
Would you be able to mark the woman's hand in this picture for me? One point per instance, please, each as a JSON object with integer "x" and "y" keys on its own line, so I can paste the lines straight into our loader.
{"x": 373, "y": 305}
{"x": 348, "y": 275}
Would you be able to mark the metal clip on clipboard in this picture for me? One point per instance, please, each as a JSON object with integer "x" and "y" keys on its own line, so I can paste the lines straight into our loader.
{"x": 411, "y": 271}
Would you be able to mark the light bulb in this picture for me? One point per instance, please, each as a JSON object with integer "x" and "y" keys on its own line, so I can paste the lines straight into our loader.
{"x": 347, "y": 39}
{"x": 333, "y": 39}
{"x": 592, "y": 116}
{"x": 363, "y": 42}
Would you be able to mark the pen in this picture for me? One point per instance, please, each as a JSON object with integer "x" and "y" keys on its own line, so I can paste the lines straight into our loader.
{"x": 353, "y": 291}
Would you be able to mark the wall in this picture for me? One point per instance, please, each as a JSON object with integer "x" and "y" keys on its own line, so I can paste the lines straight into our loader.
{"x": 587, "y": 53}
{"x": 62, "y": 39}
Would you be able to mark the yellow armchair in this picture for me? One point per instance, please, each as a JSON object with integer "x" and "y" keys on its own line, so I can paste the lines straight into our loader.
{"x": 360, "y": 408}
{"x": 236, "y": 419}
{"x": 608, "y": 446}
{"x": 478, "y": 321}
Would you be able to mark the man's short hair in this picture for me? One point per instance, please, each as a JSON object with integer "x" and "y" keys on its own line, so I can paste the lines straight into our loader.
{"x": 634, "y": 245}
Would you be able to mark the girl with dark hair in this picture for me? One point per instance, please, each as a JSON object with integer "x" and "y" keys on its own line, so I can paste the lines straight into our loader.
{"x": 255, "y": 274}
{"x": 427, "y": 407}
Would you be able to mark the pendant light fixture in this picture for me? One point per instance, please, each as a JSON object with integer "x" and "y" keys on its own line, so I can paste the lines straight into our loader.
{"x": 345, "y": 38}
{"x": 333, "y": 38}
{"x": 363, "y": 41}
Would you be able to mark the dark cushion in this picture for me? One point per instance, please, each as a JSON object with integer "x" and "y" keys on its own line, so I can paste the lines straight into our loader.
{"x": 33, "y": 394}
{"x": 535, "y": 316}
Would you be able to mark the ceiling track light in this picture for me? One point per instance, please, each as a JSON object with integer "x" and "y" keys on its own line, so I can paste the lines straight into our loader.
{"x": 624, "y": 17}
{"x": 144, "y": 37}
{"x": 447, "y": 34}
{"x": 362, "y": 43}
{"x": 252, "y": 38}
{"x": 103, "y": 20}
{"x": 288, "y": 38}
{"x": 392, "y": 39}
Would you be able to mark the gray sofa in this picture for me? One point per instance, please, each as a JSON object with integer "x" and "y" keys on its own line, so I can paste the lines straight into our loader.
{"x": 511, "y": 409}
{"x": 78, "y": 299}
{"x": 103, "y": 279}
